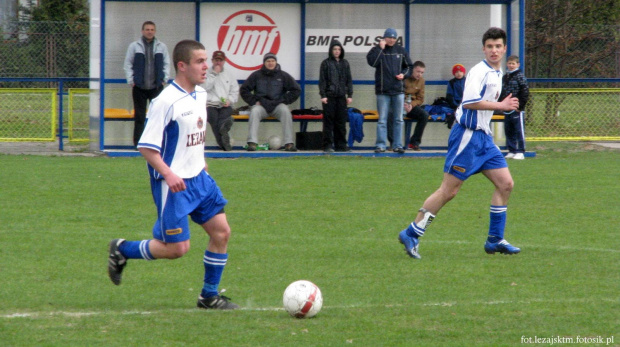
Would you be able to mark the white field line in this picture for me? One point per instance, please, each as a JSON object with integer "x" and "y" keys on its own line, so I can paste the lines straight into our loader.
{"x": 77, "y": 314}
{"x": 430, "y": 240}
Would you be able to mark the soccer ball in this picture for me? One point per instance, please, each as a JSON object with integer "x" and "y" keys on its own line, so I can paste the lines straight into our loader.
{"x": 274, "y": 142}
{"x": 302, "y": 299}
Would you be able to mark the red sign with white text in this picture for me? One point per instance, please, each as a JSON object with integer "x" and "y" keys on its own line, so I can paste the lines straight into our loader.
{"x": 245, "y": 36}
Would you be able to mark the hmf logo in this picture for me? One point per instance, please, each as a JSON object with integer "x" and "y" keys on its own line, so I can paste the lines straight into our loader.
{"x": 245, "y": 36}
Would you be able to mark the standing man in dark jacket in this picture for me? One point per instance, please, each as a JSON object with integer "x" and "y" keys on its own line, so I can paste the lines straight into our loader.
{"x": 147, "y": 67}
{"x": 392, "y": 64}
{"x": 336, "y": 90}
{"x": 268, "y": 91}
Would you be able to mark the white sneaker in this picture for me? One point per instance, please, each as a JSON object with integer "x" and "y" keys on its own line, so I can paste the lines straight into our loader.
{"x": 519, "y": 156}
{"x": 509, "y": 155}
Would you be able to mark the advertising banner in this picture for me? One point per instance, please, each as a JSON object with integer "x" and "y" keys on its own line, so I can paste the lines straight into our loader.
{"x": 246, "y": 31}
{"x": 353, "y": 40}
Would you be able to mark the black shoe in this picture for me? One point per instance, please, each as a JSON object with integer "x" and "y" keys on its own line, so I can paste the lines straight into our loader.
{"x": 290, "y": 147}
{"x": 399, "y": 150}
{"x": 346, "y": 149}
{"x": 216, "y": 302}
{"x": 328, "y": 150}
{"x": 116, "y": 261}
{"x": 251, "y": 146}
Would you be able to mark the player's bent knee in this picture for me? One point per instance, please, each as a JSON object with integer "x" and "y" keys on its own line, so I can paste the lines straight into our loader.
{"x": 177, "y": 250}
{"x": 221, "y": 235}
{"x": 507, "y": 186}
{"x": 448, "y": 194}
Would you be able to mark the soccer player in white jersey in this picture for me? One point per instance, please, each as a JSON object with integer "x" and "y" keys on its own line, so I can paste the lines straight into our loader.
{"x": 471, "y": 150}
{"x": 173, "y": 146}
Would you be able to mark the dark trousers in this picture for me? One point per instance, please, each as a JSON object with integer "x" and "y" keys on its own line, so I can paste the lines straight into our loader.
{"x": 140, "y": 98}
{"x": 335, "y": 116}
{"x": 221, "y": 121}
{"x": 421, "y": 117}
{"x": 515, "y": 132}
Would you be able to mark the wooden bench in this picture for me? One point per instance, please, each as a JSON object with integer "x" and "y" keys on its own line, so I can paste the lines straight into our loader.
{"x": 369, "y": 116}
{"x": 119, "y": 114}
{"x": 303, "y": 120}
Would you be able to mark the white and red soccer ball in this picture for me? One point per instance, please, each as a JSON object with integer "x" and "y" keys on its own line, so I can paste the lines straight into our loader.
{"x": 302, "y": 299}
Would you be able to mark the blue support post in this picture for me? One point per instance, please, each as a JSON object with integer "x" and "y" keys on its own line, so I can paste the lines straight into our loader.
{"x": 302, "y": 65}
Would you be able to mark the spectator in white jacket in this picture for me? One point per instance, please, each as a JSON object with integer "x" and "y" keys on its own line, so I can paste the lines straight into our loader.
{"x": 223, "y": 92}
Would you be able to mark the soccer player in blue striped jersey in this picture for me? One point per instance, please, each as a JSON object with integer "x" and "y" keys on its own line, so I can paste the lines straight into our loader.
{"x": 471, "y": 150}
{"x": 173, "y": 145}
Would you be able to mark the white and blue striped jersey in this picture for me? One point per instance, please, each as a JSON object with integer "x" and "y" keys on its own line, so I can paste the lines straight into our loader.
{"x": 483, "y": 83}
{"x": 176, "y": 125}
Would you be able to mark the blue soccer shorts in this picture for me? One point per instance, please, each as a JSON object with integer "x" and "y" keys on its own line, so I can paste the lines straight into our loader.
{"x": 470, "y": 152}
{"x": 201, "y": 200}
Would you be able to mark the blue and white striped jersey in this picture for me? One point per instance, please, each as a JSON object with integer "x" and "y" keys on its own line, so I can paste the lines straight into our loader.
{"x": 176, "y": 126}
{"x": 483, "y": 83}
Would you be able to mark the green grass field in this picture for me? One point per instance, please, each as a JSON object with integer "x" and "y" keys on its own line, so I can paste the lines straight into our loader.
{"x": 331, "y": 220}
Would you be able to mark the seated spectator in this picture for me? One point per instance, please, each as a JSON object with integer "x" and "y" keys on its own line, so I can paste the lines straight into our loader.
{"x": 454, "y": 94}
{"x": 268, "y": 91}
{"x": 414, "y": 91}
{"x": 456, "y": 86}
{"x": 223, "y": 92}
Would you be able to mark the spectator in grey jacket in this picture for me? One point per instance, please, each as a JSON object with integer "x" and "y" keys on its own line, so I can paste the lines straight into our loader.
{"x": 392, "y": 65}
{"x": 222, "y": 92}
{"x": 147, "y": 68}
{"x": 268, "y": 91}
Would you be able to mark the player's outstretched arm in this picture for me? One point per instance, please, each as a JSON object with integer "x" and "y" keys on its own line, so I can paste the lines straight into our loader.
{"x": 510, "y": 103}
{"x": 153, "y": 157}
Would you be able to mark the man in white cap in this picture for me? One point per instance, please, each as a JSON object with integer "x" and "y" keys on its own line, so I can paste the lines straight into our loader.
{"x": 223, "y": 92}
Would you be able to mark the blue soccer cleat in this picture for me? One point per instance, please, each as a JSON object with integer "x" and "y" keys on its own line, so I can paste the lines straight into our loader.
{"x": 502, "y": 247}
{"x": 411, "y": 244}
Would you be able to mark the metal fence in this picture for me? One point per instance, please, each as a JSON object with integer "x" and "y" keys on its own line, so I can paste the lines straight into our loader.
{"x": 573, "y": 114}
{"x": 44, "y": 114}
{"x": 28, "y": 114}
{"x": 43, "y": 95}
{"x": 44, "y": 49}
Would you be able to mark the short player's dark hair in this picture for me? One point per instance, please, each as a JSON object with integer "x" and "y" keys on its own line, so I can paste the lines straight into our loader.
{"x": 419, "y": 63}
{"x": 183, "y": 51}
{"x": 513, "y": 58}
{"x": 148, "y": 22}
{"x": 494, "y": 33}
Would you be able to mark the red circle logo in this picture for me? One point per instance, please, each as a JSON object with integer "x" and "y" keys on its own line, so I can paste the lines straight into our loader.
{"x": 246, "y": 36}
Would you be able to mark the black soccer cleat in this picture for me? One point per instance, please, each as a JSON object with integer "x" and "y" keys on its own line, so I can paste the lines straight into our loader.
{"x": 116, "y": 261}
{"x": 216, "y": 302}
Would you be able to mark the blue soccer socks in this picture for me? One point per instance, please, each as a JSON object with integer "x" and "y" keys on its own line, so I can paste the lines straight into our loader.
{"x": 136, "y": 250}
{"x": 413, "y": 230}
{"x": 214, "y": 267}
{"x": 417, "y": 229}
{"x": 497, "y": 223}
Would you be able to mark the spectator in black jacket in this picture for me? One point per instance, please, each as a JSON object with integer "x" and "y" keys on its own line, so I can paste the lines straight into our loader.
{"x": 515, "y": 83}
{"x": 336, "y": 90}
{"x": 392, "y": 65}
{"x": 268, "y": 91}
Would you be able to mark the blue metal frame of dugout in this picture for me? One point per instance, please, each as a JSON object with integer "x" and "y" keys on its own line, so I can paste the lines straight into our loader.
{"x": 302, "y": 66}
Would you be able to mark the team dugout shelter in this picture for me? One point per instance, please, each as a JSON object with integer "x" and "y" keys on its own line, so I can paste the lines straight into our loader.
{"x": 440, "y": 33}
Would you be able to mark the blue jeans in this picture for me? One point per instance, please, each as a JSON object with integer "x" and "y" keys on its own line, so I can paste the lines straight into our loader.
{"x": 385, "y": 104}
